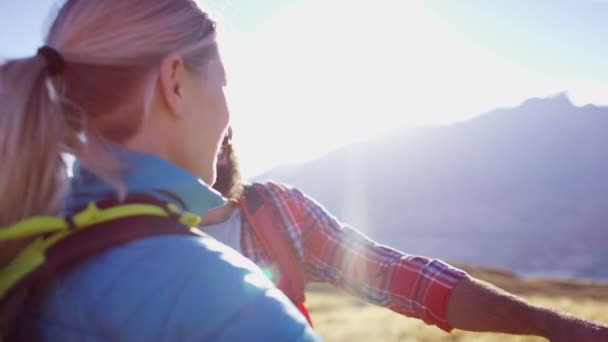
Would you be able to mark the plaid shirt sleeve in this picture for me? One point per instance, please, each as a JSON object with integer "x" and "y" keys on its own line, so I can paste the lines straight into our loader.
{"x": 331, "y": 252}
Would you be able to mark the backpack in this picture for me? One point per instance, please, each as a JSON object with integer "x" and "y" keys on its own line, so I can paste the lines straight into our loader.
{"x": 267, "y": 225}
{"x": 61, "y": 243}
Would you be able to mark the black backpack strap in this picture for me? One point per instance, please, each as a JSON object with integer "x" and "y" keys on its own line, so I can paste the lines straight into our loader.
{"x": 83, "y": 244}
{"x": 97, "y": 239}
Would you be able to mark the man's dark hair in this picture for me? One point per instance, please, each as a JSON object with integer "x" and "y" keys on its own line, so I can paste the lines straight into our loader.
{"x": 228, "y": 179}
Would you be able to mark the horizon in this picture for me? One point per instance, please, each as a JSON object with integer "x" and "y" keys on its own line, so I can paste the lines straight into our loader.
{"x": 563, "y": 97}
{"x": 452, "y": 62}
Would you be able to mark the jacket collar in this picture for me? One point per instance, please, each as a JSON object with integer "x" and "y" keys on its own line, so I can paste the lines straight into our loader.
{"x": 149, "y": 175}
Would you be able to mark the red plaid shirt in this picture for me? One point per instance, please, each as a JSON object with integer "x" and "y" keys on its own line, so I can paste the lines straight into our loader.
{"x": 332, "y": 252}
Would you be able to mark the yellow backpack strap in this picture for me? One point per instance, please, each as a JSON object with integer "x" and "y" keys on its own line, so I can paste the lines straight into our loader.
{"x": 52, "y": 230}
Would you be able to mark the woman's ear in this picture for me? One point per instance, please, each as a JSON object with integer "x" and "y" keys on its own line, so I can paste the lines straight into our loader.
{"x": 172, "y": 80}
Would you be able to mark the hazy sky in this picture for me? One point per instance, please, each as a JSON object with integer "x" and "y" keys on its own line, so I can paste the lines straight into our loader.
{"x": 307, "y": 76}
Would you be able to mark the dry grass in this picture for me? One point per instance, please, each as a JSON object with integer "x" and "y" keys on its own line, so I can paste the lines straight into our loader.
{"x": 339, "y": 317}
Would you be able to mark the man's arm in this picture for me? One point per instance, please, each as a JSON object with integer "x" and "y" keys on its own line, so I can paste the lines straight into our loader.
{"x": 417, "y": 286}
{"x": 475, "y": 305}
{"x": 332, "y": 252}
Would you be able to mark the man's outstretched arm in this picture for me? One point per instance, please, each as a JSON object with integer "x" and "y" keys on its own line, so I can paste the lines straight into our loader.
{"x": 416, "y": 286}
{"x": 475, "y": 305}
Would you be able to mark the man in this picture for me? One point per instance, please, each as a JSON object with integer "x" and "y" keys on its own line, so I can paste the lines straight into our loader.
{"x": 328, "y": 251}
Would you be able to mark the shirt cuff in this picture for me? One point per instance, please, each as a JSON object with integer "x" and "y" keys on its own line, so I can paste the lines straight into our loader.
{"x": 427, "y": 296}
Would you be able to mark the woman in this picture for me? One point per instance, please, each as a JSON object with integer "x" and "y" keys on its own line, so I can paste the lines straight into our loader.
{"x": 134, "y": 89}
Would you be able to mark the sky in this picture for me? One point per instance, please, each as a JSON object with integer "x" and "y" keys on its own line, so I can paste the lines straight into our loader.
{"x": 308, "y": 76}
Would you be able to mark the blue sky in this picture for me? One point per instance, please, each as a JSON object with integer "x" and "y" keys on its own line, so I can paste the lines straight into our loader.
{"x": 308, "y": 76}
{"x": 565, "y": 37}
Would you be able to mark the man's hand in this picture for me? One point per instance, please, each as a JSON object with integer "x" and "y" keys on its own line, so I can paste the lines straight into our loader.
{"x": 565, "y": 328}
{"x": 478, "y": 306}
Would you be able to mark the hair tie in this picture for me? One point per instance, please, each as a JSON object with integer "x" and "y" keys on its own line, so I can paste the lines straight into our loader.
{"x": 53, "y": 58}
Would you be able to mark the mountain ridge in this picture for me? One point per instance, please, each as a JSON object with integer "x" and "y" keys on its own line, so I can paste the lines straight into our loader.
{"x": 520, "y": 188}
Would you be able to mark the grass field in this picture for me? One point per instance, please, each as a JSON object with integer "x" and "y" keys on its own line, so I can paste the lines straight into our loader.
{"x": 339, "y": 317}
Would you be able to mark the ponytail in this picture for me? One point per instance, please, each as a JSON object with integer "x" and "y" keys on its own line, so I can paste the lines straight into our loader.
{"x": 33, "y": 132}
{"x": 37, "y": 125}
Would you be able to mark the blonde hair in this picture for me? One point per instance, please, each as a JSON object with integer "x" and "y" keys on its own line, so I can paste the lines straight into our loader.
{"x": 112, "y": 50}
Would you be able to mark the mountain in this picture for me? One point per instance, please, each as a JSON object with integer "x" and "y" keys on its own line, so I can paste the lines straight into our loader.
{"x": 523, "y": 188}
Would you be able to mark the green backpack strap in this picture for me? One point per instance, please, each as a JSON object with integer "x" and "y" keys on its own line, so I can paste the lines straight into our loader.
{"x": 68, "y": 241}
